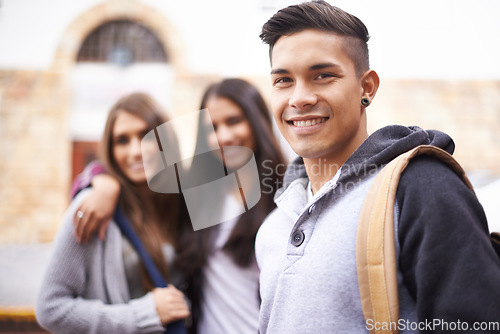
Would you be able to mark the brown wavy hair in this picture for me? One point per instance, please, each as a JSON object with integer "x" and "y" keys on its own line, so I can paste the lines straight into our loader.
{"x": 169, "y": 206}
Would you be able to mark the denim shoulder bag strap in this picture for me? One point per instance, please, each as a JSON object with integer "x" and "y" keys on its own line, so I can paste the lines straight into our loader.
{"x": 159, "y": 281}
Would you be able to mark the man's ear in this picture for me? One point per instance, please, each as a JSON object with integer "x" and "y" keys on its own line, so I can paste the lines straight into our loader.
{"x": 369, "y": 84}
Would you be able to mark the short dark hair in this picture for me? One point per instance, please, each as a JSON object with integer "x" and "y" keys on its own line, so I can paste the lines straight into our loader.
{"x": 320, "y": 15}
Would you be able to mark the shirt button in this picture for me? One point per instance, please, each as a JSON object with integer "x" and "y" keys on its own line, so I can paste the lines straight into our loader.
{"x": 311, "y": 208}
{"x": 298, "y": 238}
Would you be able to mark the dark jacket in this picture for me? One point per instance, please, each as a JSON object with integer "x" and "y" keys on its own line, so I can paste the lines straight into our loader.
{"x": 448, "y": 270}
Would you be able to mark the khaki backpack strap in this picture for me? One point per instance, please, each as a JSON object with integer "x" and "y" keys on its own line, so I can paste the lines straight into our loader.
{"x": 375, "y": 245}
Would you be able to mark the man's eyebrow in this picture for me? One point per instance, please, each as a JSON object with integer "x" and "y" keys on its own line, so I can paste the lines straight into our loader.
{"x": 279, "y": 71}
{"x": 314, "y": 67}
{"x": 322, "y": 66}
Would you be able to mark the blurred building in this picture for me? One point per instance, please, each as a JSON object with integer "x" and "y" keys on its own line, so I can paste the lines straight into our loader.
{"x": 53, "y": 104}
{"x": 64, "y": 63}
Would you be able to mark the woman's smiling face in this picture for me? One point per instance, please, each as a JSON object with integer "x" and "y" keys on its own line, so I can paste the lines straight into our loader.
{"x": 232, "y": 128}
{"x": 128, "y": 132}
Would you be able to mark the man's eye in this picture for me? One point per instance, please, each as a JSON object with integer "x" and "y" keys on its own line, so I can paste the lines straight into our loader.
{"x": 282, "y": 81}
{"x": 325, "y": 76}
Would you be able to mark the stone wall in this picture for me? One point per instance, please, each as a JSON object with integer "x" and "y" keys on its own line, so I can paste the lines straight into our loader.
{"x": 34, "y": 155}
{"x": 35, "y": 144}
{"x": 469, "y": 111}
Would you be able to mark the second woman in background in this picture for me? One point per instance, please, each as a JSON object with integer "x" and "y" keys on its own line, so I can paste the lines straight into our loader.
{"x": 228, "y": 276}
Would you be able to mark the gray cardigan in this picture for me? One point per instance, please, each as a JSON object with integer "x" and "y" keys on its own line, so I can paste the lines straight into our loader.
{"x": 85, "y": 289}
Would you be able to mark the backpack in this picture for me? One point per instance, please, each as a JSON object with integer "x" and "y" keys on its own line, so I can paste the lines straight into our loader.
{"x": 375, "y": 244}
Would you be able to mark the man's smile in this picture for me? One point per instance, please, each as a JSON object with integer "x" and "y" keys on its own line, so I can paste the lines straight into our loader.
{"x": 307, "y": 122}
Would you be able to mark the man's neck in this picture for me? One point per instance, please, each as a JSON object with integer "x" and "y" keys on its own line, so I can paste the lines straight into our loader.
{"x": 320, "y": 171}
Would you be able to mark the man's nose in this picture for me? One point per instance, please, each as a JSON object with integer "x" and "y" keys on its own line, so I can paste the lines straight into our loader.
{"x": 303, "y": 96}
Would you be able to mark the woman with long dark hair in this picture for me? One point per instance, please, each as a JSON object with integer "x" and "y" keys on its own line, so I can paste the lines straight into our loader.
{"x": 102, "y": 286}
{"x": 228, "y": 299}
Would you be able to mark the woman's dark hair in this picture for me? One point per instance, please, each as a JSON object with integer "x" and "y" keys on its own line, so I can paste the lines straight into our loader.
{"x": 240, "y": 245}
{"x": 320, "y": 15}
{"x": 270, "y": 165}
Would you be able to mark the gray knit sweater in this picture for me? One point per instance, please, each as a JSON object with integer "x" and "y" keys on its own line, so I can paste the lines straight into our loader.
{"x": 85, "y": 290}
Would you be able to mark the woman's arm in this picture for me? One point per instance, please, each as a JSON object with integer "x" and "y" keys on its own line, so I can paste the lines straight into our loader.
{"x": 96, "y": 210}
{"x": 84, "y": 179}
{"x": 72, "y": 295}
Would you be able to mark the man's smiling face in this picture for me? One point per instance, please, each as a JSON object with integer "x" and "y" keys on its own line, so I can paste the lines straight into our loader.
{"x": 316, "y": 96}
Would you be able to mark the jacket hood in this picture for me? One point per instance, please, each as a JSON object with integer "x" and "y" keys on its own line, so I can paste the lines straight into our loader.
{"x": 376, "y": 151}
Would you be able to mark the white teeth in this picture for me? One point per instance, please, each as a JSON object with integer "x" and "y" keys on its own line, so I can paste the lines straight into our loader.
{"x": 309, "y": 122}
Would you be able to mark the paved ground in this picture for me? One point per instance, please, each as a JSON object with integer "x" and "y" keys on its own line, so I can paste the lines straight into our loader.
{"x": 21, "y": 271}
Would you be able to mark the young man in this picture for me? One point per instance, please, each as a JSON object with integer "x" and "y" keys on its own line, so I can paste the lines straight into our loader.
{"x": 306, "y": 248}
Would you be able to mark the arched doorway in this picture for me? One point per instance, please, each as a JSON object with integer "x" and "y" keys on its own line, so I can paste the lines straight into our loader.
{"x": 116, "y": 58}
{"x": 112, "y": 49}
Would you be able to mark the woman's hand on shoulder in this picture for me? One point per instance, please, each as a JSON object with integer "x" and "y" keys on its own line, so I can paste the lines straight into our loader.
{"x": 96, "y": 210}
